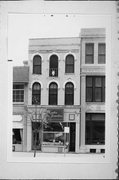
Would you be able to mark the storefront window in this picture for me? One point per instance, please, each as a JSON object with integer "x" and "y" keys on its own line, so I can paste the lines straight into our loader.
{"x": 17, "y": 136}
{"x": 53, "y": 132}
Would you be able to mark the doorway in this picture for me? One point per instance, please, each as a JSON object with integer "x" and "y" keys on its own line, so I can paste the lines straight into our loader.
{"x": 72, "y": 137}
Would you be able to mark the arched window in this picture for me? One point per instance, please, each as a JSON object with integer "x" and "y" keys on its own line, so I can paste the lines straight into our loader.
{"x": 53, "y": 69}
{"x": 37, "y": 64}
{"x": 69, "y": 64}
{"x": 53, "y": 92}
{"x": 36, "y": 93}
{"x": 69, "y": 93}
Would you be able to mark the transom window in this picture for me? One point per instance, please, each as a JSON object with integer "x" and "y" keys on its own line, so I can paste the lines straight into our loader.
{"x": 18, "y": 93}
{"x": 37, "y": 64}
{"x": 36, "y": 93}
{"x": 69, "y": 64}
{"x": 101, "y": 53}
{"x": 69, "y": 93}
{"x": 89, "y": 53}
{"x": 53, "y": 70}
{"x": 53, "y": 93}
{"x": 95, "y": 128}
{"x": 95, "y": 89}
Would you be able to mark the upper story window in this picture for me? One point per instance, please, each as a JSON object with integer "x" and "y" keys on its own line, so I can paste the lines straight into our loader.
{"x": 101, "y": 53}
{"x": 95, "y": 89}
{"x": 37, "y": 64}
{"x": 53, "y": 69}
{"x": 69, "y": 93}
{"x": 89, "y": 53}
{"x": 36, "y": 93}
{"x": 18, "y": 93}
{"x": 69, "y": 64}
{"x": 53, "y": 93}
{"x": 95, "y": 128}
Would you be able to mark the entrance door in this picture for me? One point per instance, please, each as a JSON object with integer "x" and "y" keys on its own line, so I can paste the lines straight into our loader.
{"x": 72, "y": 137}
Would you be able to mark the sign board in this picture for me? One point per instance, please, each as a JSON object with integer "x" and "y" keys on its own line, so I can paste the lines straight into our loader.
{"x": 17, "y": 118}
{"x": 55, "y": 114}
{"x": 66, "y": 129}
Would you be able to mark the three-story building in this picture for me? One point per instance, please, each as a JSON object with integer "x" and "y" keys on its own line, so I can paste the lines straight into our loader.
{"x": 59, "y": 95}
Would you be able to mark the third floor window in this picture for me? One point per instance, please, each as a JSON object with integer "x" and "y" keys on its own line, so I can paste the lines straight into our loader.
{"x": 37, "y": 64}
{"x": 101, "y": 53}
{"x": 53, "y": 69}
{"x": 69, "y": 64}
{"x": 89, "y": 53}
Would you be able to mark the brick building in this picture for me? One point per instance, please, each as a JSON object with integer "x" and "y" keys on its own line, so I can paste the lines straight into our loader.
{"x": 59, "y": 95}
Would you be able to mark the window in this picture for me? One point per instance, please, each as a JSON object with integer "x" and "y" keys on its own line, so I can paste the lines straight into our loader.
{"x": 101, "y": 53}
{"x": 53, "y": 91}
{"x": 53, "y": 70}
{"x": 37, "y": 64}
{"x": 36, "y": 93}
{"x": 69, "y": 93}
{"x": 17, "y": 136}
{"x": 69, "y": 64}
{"x": 18, "y": 93}
{"x": 89, "y": 53}
{"x": 95, "y": 89}
{"x": 95, "y": 128}
{"x": 53, "y": 133}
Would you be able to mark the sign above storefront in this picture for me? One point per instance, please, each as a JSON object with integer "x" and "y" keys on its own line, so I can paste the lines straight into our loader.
{"x": 55, "y": 114}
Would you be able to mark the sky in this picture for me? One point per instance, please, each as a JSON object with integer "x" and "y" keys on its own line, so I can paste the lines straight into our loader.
{"x": 22, "y": 27}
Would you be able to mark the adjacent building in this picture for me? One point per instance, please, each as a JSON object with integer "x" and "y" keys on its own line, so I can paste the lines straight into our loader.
{"x": 59, "y": 95}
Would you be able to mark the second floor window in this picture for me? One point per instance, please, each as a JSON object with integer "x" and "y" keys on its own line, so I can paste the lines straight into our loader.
{"x": 53, "y": 69}
{"x": 37, "y": 64}
{"x": 69, "y": 93}
{"x": 69, "y": 64}
{"x": 101, "y": 53}
{"x": 18, "y": 93}
{"x": 53, "y": 92}
{"x": 89, "y": 53}
{"x": 36, "y": 94}
{"x": 95, "y": 89}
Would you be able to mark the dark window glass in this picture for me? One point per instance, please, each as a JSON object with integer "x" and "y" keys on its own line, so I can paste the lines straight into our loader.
{"x": 37, "y": 64}
{"x": 18, "y": 93}
{"x": 101, "y": 53}
{"x": 36, "y": 93}
{"x": 53, "y": 69}
{"x": 69, "y": 64}
{"x": 53, "y": 91}
{"x": 89, "y": 53}
{"x": 69, "y": 94}
{"x": 95, "y": 128}
{"x": 17, "y": 136}
{"x": 95, "y": 89}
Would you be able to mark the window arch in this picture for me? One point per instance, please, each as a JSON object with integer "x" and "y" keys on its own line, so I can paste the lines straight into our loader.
{"x": 53, "y": 69}
{"x": 69, "y": 64}
{"x": 37, "y": 64}
{"x": 69, "y": 93}
{"x": 36, "y": 93}
{"x": 53, "y": 93}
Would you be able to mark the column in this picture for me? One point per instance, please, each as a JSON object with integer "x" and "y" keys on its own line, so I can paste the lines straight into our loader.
{"x": 77, "y": 134}
{"x": 29, "y": 134}
{"x": 25, "y": 133}
{"x": 83, "y": 108}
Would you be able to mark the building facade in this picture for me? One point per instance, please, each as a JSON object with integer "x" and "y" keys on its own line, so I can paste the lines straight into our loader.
{"x": 59, "y": 95}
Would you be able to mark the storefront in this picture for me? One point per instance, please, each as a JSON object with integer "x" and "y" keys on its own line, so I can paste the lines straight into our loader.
{"x": 57, "y": 133}
{"x": 17, "y": 133}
